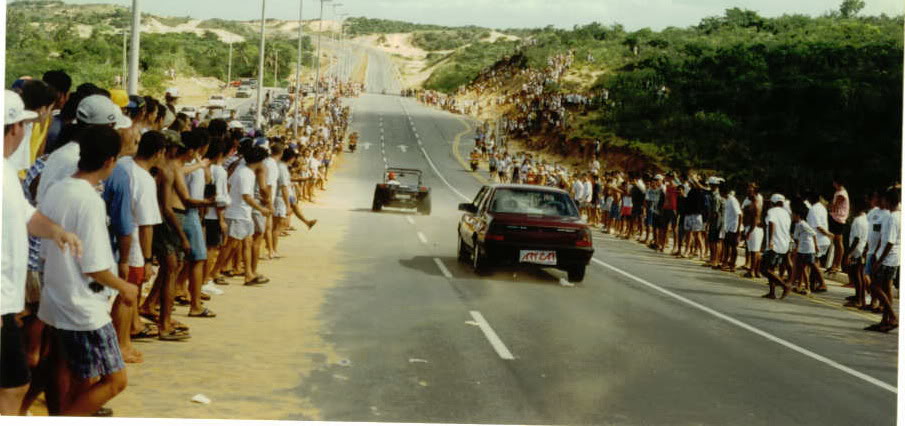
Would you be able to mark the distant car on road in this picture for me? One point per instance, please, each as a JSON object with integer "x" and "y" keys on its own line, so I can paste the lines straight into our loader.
{"x": 524, "y": 224}
{"x": 243, "y": 93}
{"x": 402, "y": 188}
{"x": 235, "y": 83}
{"x": 216, "y": 101}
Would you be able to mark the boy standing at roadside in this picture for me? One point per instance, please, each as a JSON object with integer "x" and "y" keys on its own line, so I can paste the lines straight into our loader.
{"x": 76, "y": 291}
{"x": 777, "y": 241}
{"x": 887, "y": 261}
{"x": 854, "y": 260}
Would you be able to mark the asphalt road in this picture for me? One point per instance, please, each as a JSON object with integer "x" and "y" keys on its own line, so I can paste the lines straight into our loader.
{"x": 643, "y": 340}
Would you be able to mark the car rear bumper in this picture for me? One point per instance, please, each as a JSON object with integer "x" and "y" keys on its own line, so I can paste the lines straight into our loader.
{"x": 502, "y": 252}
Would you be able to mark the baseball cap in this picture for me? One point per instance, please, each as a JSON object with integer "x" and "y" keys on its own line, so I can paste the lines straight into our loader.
{"x": 135, "y": 102}
{"x": 777, "y": 198}
{"x": 658, "y": 177}
{"x": 15, "y": 109}
{"x": 172, "y": 137}
{"x": 236, "y": 124}
{"x": 98, "y": 109}
{"x": 173, "y": 92}
{"x": 119, "y": 97}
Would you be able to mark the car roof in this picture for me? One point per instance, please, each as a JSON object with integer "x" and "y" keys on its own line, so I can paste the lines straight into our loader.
{"x": 399, "y": 169}
{"x": 538, "y": 188}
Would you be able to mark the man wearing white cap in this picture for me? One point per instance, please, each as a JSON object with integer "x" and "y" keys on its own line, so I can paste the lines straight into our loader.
{"x": 63, "y": 163}
{"x": 779, "y": 222}
{"x": 19, "y": 220}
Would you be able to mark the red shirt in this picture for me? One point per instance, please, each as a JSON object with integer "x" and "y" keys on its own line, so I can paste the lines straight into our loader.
{"x": 672, "y": 198}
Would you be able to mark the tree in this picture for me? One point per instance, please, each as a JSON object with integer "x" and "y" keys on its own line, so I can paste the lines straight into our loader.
{"x": 850, "y": 8}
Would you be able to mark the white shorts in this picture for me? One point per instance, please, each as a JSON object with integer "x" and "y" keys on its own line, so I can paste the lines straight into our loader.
{"x": 756, "y": 240}
{"x": 259, "y": 220}
{"x": 694, "y": 223}
{"x": 239, "y": 229}
{"x": 279, "y": 208}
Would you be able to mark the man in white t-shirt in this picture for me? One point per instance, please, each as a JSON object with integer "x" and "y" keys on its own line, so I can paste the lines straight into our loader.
{"x": 778, "y": 223}
{"x": 806, "y": 253}
{"x": 732, "y": 223}
{"x": 77, "y": 290}
{"x": 239, "y": 217}
{"x": 19, "y": 220}
{"x": 272, "y": 175}
{"x": 854, "y": 262}
{"x": 818, "y": 218}
{"x": 887, "y": 261}
{"x": 145, "y": 214}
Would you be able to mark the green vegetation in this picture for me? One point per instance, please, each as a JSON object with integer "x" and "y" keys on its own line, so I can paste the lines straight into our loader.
{"x": 234, "y": 27}
{"x": 32, "y": 50}
{"x": 364, "y": 26}
{"x": 465, "y": 64}
{"x": 170, "y": 21}
{"x": 447, "y": 40}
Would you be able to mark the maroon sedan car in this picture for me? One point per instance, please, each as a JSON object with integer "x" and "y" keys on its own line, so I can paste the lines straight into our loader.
{"x": 525, "y": 224}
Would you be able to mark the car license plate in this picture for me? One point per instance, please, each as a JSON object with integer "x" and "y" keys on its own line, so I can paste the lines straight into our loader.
{"x": 403, "y": 197}
{"x": 540, "y": 257}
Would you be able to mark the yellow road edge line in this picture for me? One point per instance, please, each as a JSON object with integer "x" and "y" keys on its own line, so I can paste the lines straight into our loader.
{"x": 455, "y": 151}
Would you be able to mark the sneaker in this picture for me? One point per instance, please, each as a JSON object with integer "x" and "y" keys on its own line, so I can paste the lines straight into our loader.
{"x": 211, "y": 289}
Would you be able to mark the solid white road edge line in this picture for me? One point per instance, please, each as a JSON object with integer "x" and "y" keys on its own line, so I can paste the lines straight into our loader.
{"x": 422, "y": 237}
{"x": 495, "y": 341}
{"x": 442, "y": 267}
{"x": 755, "y": 330}
{"x": 434, "y": 167}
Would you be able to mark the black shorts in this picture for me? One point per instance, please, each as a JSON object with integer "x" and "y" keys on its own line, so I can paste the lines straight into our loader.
{"x": 636, "y": 211}
{"x": 14, "y": 371}
{"x": 668, "y": 217}
{"x": 771, "y": 260}
{"x": 212, "y": 235}
{"x": 884, "y": 273}
{"x": 166, "y": 239}
{"x": 732, "y": 239}
{"x": 836, "y": 228}
{"x": 713, "y": 235}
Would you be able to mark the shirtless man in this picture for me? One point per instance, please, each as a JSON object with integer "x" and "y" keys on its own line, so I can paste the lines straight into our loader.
{"x": 170, "y": 243}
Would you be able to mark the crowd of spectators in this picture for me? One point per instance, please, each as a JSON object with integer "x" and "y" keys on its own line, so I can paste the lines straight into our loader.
{"x": 104, "y": 193}
{"x": 793, "y": 241}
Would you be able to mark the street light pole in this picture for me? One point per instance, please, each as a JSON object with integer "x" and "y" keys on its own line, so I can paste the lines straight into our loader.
{"x": 298, "y": 76}
{"x": 260, "y": 99}
{"x": 133, "y": 54}
{"x": 229, "y": 68}
{"x": 317, "y": 75}
{"x": 123, "y": 82}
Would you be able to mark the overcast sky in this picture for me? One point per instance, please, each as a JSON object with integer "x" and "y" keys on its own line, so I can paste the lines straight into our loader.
{"x": 633, "y": 14}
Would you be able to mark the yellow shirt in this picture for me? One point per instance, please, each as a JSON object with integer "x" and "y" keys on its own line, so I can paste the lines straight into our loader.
{"x": 39, "y": 137}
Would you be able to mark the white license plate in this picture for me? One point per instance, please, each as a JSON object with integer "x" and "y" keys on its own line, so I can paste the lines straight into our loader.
{"x": 540, "y": 257}
{"x": 403, "y": 197}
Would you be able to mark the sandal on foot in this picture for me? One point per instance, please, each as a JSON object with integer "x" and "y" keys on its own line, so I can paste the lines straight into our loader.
{"x": 178, "y": 326}
{"x": 874, "y": 327}
{"x": 182, "y": 301}
{"x": 220, "y": 281}
{"x": 146, "y": 333}
{"x": 260, "y": 279}
{"x": 205, "y": 296}
{"x": 148, "y": 316}
{"x": 206, "y": 313}
{"x": 174, "y": 336}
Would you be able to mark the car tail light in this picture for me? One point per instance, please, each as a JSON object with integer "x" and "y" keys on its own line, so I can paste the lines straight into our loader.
{"x": 494, "y": 237}
{"x": 423, "y": 189}
{"x": 584, "y": 238}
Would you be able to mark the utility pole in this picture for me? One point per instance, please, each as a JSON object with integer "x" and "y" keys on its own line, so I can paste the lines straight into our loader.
{"x": 260, "y": 100}
{"x": 298, "y": 76}
{"x": 123, "y": 81}
{"x": 317, "y": 75}
{"x": 229, "y": 68}
{"x": 133, "y": 54}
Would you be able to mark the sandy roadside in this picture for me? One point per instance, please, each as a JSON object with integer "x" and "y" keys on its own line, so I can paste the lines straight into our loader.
{"x": 253, "y": 358}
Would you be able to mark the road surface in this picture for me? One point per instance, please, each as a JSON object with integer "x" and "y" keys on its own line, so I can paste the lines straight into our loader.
{"x": 643, "y": 340}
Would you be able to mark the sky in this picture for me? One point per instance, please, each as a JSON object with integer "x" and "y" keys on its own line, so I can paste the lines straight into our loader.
{"x": 633, "y": 14}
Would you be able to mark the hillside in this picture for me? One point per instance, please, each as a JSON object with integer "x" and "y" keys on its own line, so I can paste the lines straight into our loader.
{"x": 792, "y": 98}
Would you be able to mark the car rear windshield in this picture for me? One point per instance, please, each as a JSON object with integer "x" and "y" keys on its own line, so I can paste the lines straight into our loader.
{"x": 526, "y": 201}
